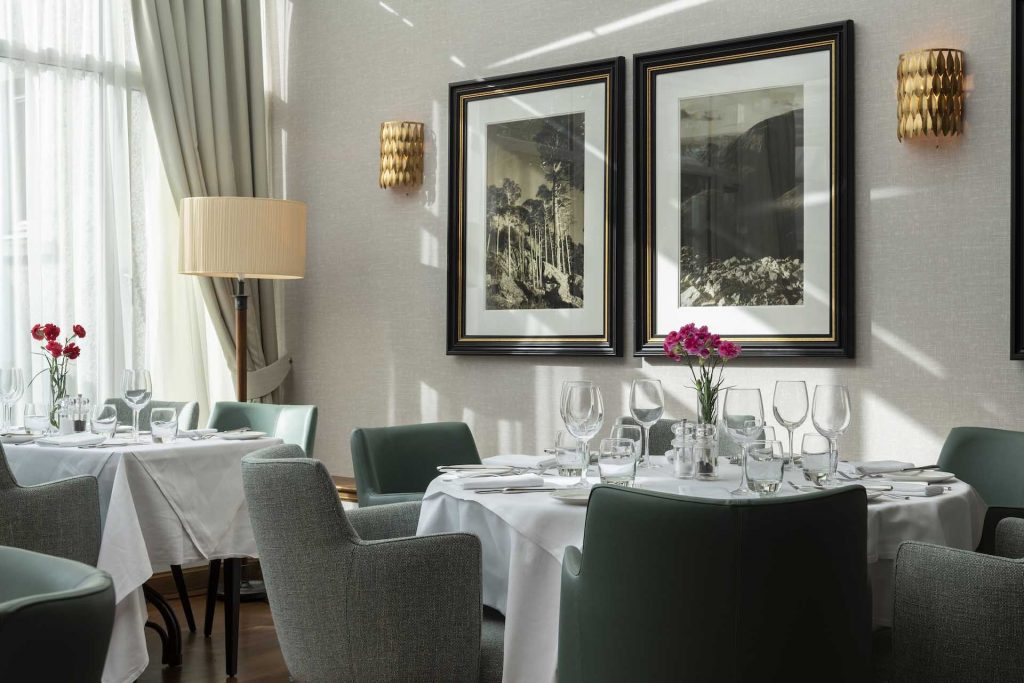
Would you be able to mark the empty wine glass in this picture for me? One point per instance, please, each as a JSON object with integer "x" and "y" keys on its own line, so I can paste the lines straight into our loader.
{"x": 744, "y": 418}
{"x": 830, "y": 413}
{"x": 628, "y": 431}
{"x": 789, "y": 403}
{"x": 136, "y": 390}
{"x": 646, "y": 405}
{"x": 583, "y": 412}
{"x": 104, "y": 420}
{"x": 12, "y": 387}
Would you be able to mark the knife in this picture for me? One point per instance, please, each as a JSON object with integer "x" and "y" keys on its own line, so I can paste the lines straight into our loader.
{"x": 517, "y": 490}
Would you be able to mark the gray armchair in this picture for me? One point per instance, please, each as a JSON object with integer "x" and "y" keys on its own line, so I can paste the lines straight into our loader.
{"x": 356, "y": 595}
{"x": 60, "y": 518}
{"x": 56, "y": 618}
{"x": 188, "y": 412}
{"x": 959, "y": 615}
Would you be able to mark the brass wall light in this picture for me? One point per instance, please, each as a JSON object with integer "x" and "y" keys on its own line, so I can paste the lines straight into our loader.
{"x": 930, "y": 93}
{"x": 401, "y": 154}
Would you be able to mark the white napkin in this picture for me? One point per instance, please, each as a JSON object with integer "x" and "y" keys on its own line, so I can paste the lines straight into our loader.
{"x": 529, "y": 461}
{"x": 882, "y": 466}
{"x": 501, "y": 482}
{"x": 913, "y": 488}
{"x": 187, "y": 433}
{"x": 76, "y": 439}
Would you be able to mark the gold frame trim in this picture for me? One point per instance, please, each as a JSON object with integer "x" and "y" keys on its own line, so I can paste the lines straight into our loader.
{"x": 606, "y": 312}
{"x": 833, "y": 122}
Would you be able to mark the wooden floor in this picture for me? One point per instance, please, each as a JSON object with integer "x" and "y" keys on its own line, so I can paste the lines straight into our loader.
{"x": 259, "y": 657}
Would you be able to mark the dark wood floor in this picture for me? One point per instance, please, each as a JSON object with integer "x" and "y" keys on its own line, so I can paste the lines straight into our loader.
{"x": 259, "y": 657}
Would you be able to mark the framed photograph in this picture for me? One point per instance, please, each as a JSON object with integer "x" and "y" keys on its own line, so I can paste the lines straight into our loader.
{"x": 744, "y": 172}
{"x": 534, "y": 212}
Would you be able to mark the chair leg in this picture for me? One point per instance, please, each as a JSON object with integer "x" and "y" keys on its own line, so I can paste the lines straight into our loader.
{"x": 186, "y": 604}
{"x": 232, "y": 587}
{"x": 172, "y": 644}
{"x": 211, "y": 597}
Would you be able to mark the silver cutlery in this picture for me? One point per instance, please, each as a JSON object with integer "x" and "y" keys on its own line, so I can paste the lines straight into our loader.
{"x": 512, "y": 489}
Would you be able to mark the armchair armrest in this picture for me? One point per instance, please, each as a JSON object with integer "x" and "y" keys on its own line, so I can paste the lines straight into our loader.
{"x": 957, "y": 615}
{"x": 1010, "y": 538}
{"x": 372, "y": 499}
{"x": 385, "y": 521}
{"x": 416, "y": 604}
{"x": 59, "y": 518}
{"x": 570, "y": 647}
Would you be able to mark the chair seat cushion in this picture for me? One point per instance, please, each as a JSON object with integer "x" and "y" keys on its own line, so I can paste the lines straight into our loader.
{"x": 492, "y": 645}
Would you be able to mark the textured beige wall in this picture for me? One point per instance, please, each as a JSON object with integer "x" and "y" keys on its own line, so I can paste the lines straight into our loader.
{"x": 367, "y": 326}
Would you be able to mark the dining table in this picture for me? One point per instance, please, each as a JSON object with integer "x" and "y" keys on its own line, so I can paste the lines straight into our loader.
{"x": 524, "y": 537}
{"x": 161, "y": 504}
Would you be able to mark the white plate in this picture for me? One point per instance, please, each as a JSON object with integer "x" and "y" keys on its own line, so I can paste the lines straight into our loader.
{"x": 572, "y": 496}
{"x": 14, "y": 439}
{"x": 241, "y": 436}
{"x": 926, "y": 476}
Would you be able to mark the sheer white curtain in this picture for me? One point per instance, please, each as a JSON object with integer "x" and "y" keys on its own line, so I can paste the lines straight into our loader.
{"x": 88, "y": 230}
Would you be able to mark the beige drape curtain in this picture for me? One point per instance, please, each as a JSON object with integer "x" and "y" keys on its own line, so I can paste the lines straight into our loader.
{"x": 202, "y": 65}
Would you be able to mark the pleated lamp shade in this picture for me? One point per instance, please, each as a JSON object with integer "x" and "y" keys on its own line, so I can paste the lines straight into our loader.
{"x": 247, "y": 237}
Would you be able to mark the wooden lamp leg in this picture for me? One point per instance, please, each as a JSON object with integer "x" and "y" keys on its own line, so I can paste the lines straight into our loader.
{"x": 241, "y": 343}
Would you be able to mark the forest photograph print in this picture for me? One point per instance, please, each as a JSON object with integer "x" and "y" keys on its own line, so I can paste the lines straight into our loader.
{"x": 741, "y": 192}
{"x": 535, "y": 172}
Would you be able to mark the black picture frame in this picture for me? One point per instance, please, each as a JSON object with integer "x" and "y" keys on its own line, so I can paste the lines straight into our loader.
{"x": 838, "y": 39}
{"x": 1016, "y": 182}
{"x": 608, "y": 343}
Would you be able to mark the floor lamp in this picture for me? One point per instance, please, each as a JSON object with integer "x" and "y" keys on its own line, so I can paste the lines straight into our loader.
{"x": 243, "y": 238}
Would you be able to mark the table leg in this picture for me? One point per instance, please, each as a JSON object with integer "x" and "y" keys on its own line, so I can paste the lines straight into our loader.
{"x": 232, "y": 587}
{"x": 186, "y": 604}
{"x": 211, "y": 597}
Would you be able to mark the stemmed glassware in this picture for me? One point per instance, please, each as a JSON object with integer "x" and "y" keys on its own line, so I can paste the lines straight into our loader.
{"x": 582, "y": 411}
{"x": 12, "y": 388}
{"x": 830, "y": 413}
{"x": 136, "y": 390}
{"x": 789, "y": 403}
{"x": 743, "y": 414}
{"x": 646, "y": 405}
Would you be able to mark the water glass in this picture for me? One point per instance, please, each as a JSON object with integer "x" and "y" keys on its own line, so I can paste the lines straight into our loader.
{"x": 816, "y": 460}
{"x": 628, "y": 431}
{"x": 743, "y": 415}
{"x": 163, "y": 424}
{"x": 37, "y": 418}
{"x": 569, "y": 457}
{"x": 104, "y": 420}
{"x": 764, "y": 464}
{"x": 616, "y": 462}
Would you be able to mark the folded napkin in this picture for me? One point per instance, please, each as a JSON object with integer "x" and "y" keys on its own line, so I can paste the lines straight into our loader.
{"x": 76, "y": 439}
{"x": 529, "y": 461}
{"x": 882, "y": 466}
{"x": 913, "y": 488}
{"x": 522, "y": 480}
{"x": 188, "y": 433}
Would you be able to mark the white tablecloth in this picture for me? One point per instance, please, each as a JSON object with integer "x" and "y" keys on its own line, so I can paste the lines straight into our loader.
{"x": 161, "y": 504}
{"x": 524, "y": 537}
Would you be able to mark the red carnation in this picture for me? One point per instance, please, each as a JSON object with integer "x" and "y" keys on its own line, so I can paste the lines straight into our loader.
{"x": 79, "y": 331}
{"x": 51, "y": 332}
{"x": 55, "y": 348}
{"x": 71, "y": 350}
{"x": 37, "y": 332}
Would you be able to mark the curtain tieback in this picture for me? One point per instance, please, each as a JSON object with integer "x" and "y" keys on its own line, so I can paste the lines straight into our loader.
{"x": 265, "y": 380}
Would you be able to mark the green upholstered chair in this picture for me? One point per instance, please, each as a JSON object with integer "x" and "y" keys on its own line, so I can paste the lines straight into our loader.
{"x": 673, "y": 588}
{"x": 56, "y": 616}
{"x": 661, "y": 433}
{"x": 293, "y": 424}
{"x": 395, "y": 464}
{"x": 992, "y": 461}
{"x": 187, "y": 411}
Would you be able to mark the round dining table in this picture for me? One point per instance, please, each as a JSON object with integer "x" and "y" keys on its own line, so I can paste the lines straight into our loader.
{"x": 524, "y": 536}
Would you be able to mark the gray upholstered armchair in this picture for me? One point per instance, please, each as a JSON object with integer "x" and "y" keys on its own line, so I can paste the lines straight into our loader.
{"x": 61, "y": 518}
{"x": 188, "y": 412}
{"x": 959, "y": 615}
{"x": 356, "y": 595}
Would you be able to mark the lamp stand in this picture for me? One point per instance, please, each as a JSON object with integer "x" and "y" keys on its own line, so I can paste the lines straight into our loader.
{"x": 241, "y": 343}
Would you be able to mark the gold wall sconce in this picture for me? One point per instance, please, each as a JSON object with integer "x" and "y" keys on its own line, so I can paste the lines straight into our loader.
{"x": 401, "y": 154}
{"x": 930, "y": 93}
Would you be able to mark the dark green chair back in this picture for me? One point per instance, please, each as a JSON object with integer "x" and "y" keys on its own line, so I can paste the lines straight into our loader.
{"x": 395, "y": 464}
{"x": 294, "y": 424}
{"x": 992, "y": 461}
{"x": 188, "y": 412}
{"x": 661, "y": 433}
{"x": 56, "y": 616}
{"x": 672, "y": 588}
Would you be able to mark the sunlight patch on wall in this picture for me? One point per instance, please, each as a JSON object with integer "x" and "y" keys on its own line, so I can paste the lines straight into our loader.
{"x": 430, "y": 248}
{"x": 901, "y": 346}
{"x": 428, "y": 403}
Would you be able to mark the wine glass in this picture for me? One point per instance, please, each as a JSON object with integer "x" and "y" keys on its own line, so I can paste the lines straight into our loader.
{"x": 744, "y": 418}
{"x": 830, "y": 413}
{"x": 583, "y": 412}
{"x": 12, "y": 388}
{"x": 136, "y": 390}
{"x": 646, "y": 405}
{"x": 789, "y": 404}
{"x": 104, "y": 420}
{"x": 628, "y": 431}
